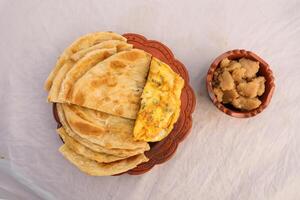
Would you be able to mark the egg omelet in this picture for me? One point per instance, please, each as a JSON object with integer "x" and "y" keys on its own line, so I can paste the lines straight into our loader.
{"x": 160, "y": 105}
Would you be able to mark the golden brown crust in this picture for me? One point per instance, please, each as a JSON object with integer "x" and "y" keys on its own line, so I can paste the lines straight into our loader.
{"x": 83, "y": 42}
{"x": 95, "y": 147}
{"x": 111, "y": 132}
{"x": 94, "y": 168}
{"x": 103, "y": 85}
{"x": 84, "y": 151}
{"x": 80, "y": 68}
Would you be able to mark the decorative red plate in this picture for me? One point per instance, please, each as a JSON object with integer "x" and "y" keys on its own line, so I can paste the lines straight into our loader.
{"x": 162, "y": 151}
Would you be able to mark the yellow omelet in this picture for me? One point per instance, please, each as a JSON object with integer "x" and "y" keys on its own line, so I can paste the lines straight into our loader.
{"x": 160, "y": 105}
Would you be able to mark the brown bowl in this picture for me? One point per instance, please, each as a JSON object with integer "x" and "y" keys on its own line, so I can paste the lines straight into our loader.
{"x": 163, "y": 150}
{"x": 264, "y": 70}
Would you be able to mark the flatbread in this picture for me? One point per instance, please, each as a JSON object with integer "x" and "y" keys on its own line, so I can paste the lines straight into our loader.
{"x": 106, "y": 130}
{"x": 84, "y": 151}
{"x": 114, "y": 85}
{"x": 97, "y": 84}
{"x": 95, "y": 147}
{"x": 90, "y": 59}
{"x": 120, "y": 45}
{"x": 80, "y": 68}
{"x": 83, "y": 42}
{"x": 101, "y": 169}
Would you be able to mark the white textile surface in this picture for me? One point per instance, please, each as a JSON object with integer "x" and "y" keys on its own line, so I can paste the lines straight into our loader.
{"x": 222, "y": 158}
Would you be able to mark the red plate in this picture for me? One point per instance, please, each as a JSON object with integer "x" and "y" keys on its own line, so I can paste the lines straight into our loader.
{"x": 162, "y": 151}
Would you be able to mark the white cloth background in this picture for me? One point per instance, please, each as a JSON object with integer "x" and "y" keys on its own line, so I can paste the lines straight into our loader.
{"x": 222, "y": 158}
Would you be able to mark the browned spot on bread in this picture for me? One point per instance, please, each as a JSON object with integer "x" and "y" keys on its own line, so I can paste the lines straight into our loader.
{"x": 97, "y": 82}
{"x": 138, "y": 95}
{"x": 119, "y": 110}
{"x": 79, "y": 98}
{"x": 101, "y": 115}
{"x": 108, "y": 145}
{"x": 106, "y": 99}
{"x": 110, "y": 81}
{"x": 86, "y": 128}
{"x": 121, "y": 47}
{"x": 131, "y": 55}
{"x": 71, "y": 107}
{"x": 133, "y": 98}
{"x": 69, "y": 92}
{"x": 134, "y": 102}
{"x": 116, "y": 64}
{"x": 106, "y": 54}
{"x": 116, "y": 101}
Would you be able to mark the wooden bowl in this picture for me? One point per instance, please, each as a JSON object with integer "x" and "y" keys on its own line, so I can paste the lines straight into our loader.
{"x": 162, "y": 151}
{"x": 264, "y": 70}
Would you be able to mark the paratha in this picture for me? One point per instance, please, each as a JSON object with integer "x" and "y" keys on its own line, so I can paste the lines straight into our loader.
{"x": 90, "y": 59}
{"x": 80, "y": 68}
{"x": 101, "y": 169}
{"x": 118, "y": 44}
{"x": 113, "y": 86}
{"x": 84, "y": 151}
{"x": 124, "y": 153}
{"x": 108, "y": 131}
{"x": 83, "y": 42}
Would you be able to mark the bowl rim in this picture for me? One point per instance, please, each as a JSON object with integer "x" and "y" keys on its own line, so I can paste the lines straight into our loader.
{"x": 270, "y": 80}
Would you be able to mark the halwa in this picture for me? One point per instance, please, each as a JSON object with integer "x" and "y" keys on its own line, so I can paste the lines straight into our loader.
{"x": 236, "y": 83}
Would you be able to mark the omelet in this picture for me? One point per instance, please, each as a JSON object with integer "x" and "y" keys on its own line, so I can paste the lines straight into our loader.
{"x": 160, "y": 105}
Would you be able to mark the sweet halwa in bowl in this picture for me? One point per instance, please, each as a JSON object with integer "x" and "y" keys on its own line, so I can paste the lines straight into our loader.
{"x": 240, "y": 83}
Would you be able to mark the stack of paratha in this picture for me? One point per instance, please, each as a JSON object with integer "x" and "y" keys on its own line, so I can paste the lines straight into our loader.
{"x": 98, "y": 84}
